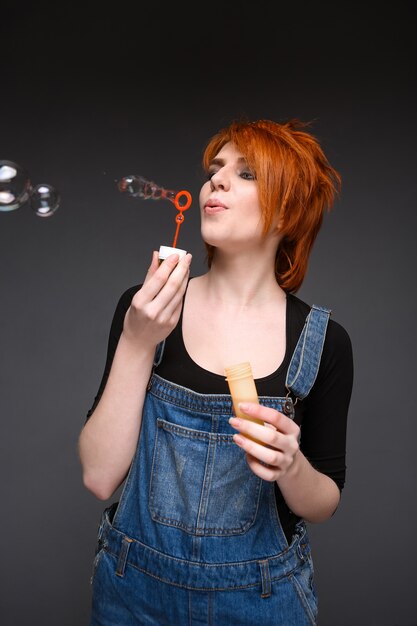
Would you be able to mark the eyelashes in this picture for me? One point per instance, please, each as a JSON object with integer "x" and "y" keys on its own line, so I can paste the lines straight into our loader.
{"x": 245, "y": 174}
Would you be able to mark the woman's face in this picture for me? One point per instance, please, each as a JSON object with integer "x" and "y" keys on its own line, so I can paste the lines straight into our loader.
{"x": 229, "y": 203}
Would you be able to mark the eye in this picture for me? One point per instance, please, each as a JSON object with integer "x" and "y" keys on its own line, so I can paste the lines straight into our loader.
{"x": 210, "y": 174}
{"x": 247, "y": 175}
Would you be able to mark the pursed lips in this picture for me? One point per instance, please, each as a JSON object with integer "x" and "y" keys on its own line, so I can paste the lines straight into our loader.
{"x": 214, "y": 206}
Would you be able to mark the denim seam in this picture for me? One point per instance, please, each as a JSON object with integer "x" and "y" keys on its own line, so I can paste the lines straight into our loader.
{"x": 265, "y": 579}
{"x": 207, "y": 481}
{"x": 123, "y": 554}
{"x": 200, "y": 402}
{"x": 303, "y": 599}
{"x": 191, "y": 433}
{"x": 273, "y": 579}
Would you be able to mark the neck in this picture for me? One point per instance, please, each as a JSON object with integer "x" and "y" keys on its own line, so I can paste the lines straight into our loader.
{"x": 245, "y": 280}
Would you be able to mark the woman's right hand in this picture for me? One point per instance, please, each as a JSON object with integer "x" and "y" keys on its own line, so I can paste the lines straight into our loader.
{"x": 155, "y": 309}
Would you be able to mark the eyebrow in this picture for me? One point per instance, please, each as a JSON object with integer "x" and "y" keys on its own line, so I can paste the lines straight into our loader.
{"x": 218, "y": 161}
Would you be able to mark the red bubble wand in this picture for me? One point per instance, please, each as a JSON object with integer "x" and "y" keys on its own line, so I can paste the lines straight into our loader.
{"x": 138, "y": 187}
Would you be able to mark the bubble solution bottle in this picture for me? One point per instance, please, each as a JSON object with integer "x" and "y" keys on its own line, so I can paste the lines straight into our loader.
{"x": 242, "y": 388}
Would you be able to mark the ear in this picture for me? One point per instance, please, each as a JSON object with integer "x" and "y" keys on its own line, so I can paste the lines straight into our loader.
{"x": 280, "y": 222}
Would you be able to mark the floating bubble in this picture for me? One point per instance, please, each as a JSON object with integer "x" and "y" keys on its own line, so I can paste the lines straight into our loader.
{"x": 16, "y": 189}
{"x": 138, "y": 187}
{"x": 15, "y": 186}
{"x": 44, "y": 200}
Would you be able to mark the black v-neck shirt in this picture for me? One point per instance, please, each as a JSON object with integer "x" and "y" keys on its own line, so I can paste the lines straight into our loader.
{"x": 322, "y": 415}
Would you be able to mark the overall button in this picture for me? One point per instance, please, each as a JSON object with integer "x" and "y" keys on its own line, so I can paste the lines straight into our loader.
{"x": 287, "y": 407}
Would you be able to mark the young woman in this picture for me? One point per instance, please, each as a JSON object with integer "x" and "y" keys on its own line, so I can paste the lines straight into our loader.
{"x": 211, "y": 524}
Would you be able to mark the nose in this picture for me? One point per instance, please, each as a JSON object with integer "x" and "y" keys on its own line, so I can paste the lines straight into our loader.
{"x": 219, "y": 180}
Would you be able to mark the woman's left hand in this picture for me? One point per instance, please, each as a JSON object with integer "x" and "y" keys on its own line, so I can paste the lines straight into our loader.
{"x": 277, "y": 440}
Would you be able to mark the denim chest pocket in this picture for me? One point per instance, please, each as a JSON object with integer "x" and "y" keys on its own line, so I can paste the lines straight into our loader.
{"x": 201, "y": 482}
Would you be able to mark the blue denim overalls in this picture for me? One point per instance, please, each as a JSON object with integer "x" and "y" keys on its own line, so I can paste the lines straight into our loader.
{"x": 196, "y": 538}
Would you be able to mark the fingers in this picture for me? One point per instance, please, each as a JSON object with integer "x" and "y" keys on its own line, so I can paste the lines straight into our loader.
{"x": 156, "y": 307}
{"x": 263, "y": 442}
{"x": 153, "y": 266}
{"x": 172, "y": 273}
{"x": 265, "y": 471}
{"x": 270, "y": 416}
{"x": 268, "y": 434}
{"x": 171, "y": 284}
{"x": 162, "y": 283}
{"x": 270, "y": 451}
{"x": 265, "y": 461}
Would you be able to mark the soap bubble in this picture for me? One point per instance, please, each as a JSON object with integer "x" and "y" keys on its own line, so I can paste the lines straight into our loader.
{"x": 16, "y": 189}
{"x": 138, "y": 187}
{"x": 15, "y": 186}
{"x": 44, "y": 200}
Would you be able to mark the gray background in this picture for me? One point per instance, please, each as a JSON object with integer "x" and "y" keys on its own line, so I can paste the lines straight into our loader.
{"x": 89, "y": 95}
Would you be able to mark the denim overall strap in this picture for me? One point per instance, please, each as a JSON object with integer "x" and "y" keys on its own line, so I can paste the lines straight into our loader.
{"x": 305, "y": 361}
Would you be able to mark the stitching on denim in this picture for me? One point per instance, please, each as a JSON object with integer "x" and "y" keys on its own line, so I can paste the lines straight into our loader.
{"x": 195, "y": 529}
{"x": 303, "y": 599}
{"x": 198, "y": 588}
{"x": 318, "y": 317}
{"x": 265, "y": 579}
{"x": 192, "y": 401}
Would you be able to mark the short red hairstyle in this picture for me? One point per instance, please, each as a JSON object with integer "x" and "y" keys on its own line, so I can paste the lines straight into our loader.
{"x": 296, "y": 184}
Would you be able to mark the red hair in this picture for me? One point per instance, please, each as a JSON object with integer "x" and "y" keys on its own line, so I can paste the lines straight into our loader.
{"x": 296, "y": 184}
